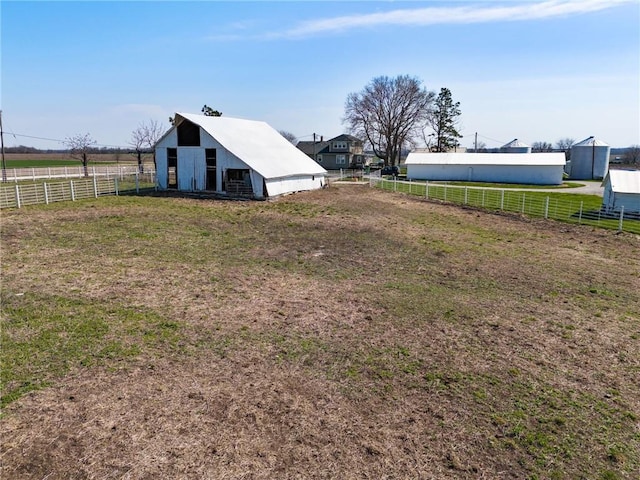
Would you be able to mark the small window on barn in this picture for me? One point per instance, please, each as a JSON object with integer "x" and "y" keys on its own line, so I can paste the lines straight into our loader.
{"x": 188, "y": 134}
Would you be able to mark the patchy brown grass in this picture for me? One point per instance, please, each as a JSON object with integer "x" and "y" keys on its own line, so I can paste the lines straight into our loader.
{"x": 344, "y": 333}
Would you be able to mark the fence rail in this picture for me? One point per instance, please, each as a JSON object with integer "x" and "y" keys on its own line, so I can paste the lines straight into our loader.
{"x": 20, "y": 195}
{"x": 41, "y": 173}
{"x": 532, "y": 203}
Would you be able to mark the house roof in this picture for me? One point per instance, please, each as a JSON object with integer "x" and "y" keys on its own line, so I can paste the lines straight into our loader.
{"x": 257, "y": 144}
{"x": 624, "y": 181}
{"x": 345, "y": 138}
{"x": 310, "y": 147}
{"x": 497, "y": 159}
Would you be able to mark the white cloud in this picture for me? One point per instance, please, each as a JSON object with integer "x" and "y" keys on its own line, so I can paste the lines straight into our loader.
{"x": 450, "y": 15}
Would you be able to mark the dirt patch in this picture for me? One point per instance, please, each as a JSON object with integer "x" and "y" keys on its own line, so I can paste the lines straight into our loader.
{"x": 344, "y": 333}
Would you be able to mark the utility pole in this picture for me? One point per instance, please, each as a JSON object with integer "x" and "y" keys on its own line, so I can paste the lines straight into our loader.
{"x": 476, "y": 147}
{"x": 4, "y": 164}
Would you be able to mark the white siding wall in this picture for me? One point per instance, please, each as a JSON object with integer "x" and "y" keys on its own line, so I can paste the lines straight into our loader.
{"x": 280, "y": 186}
{"x": 191, "y": 169}
{"x": 612, "y": 201}
{"x": 529, "y": 174}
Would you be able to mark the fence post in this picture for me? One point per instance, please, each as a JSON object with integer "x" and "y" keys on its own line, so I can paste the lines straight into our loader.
{"x": 465, "y": 196}
{"x": 33, "y": 174}
{"x": 445, "y": 192}
{"x": 546, "y": 208}
{"x": 49, "y": 170}
{"x": 426, "y": 189}
{"x": 73, "y": 193}
{"x": 523, "y": 200}
{"x": 395, "y": 184}
{"x": 46, "y": 194}
{"x": 95, "y": 187}
{"x": 18, "y": 195}
{"x": 580, "y": 214}
{"x": 409, "y": 186}
{"x": 137, "y": 182}
{"x": 502, "y": 200}
{"x": 483, "y": 190}
{"x": 115, "y": 184}
{"x": 621, "y": 218}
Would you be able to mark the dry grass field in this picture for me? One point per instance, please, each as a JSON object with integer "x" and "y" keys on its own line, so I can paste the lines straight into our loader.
{"x": 345, "y": 333}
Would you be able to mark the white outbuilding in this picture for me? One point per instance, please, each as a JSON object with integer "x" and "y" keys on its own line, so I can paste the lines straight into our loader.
{"x": 621, "y": 190}
{"x": 523, "y": 168}
{"x": 233, "y": 157}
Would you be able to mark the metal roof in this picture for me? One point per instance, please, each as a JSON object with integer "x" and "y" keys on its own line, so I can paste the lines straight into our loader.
{"x": 591, "y": 142}
{"x": 515, "y": 143}
{"x": 497, "y": 159}
{"x": 257, "y": 144}
{"x": 624, "y": 181}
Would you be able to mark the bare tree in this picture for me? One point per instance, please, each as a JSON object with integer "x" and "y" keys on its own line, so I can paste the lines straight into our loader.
{"x": 144, "y": 138}
{"x": 443, "y": 120}
{"x": 632, "y": 155}
{"x": 153, "y": 132}
{"x": 289, "y": 136}
{"x": 388, "y": 112}
{"x": 138, "y": 141}
{"x": 565, "y": 144}
{"x": 79, "y": 147}
{"x": 541, "y": 147}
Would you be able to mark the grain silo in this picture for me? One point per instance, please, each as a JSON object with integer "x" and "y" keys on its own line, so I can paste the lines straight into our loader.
{"x": 589, "y": 160}
{"x": 515, "y": 146}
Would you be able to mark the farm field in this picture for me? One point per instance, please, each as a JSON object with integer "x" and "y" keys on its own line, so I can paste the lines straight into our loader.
{"x": 344, "y": 333}
{"x": 29, "y": 160}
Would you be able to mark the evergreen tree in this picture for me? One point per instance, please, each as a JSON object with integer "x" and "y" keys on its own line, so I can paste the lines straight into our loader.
{"x": 443, "y": 121}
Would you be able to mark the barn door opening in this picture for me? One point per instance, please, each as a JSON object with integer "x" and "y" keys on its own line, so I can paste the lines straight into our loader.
{"x": 238, "y": 182}
{"x": 172, "y": 168}
{"x": 210, "y": 154}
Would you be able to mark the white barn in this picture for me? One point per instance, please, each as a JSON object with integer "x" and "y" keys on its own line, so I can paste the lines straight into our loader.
{"x": 525, "y": 168}
{"x": 622, "y": 189}
{"x": 232, "y": 156}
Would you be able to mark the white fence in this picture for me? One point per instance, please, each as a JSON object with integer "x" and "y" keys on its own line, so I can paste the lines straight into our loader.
{"x": 20, "y": 195}
{"x": 527, "y": 202}
{"x": 49, "y": 173}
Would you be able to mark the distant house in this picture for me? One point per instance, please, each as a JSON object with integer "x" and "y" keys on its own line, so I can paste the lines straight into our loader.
{"x": 524, "y": 168}
{"x": 233, "y": 157}
{"x": 343, "y": 151}
{"x": 621, "y": 189}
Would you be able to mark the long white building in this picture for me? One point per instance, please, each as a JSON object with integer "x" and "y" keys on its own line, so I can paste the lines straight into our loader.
{"x": 523, "y": 168}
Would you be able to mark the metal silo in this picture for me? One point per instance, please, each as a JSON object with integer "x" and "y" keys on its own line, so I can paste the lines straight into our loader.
{"x": 515, "y": 146}
{"x": 589, "y": 159}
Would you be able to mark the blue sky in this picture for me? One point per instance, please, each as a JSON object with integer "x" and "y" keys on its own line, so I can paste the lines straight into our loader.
{"x": 532, "y": 70}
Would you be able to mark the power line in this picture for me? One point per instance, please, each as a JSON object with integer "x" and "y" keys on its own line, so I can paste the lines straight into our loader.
{"x": 63, "y": 141}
